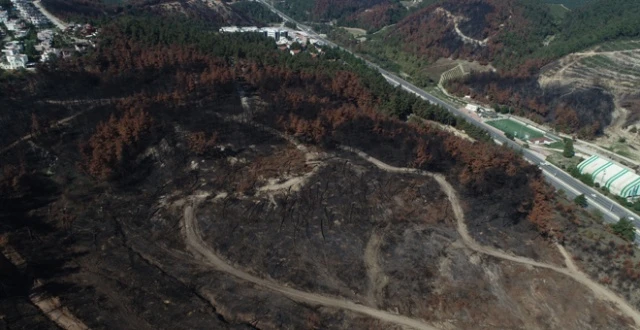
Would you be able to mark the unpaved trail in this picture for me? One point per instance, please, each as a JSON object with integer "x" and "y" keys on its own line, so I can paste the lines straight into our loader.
{"x": 568, "y": 260}
{"x": 456, "y": 21}
{"x": 194, "y": 242}
{"x": 377, "y": 279}
{"x": 55, "y": 20}
{"x": 50, "y": 306}
{"x": 599, "y": 290}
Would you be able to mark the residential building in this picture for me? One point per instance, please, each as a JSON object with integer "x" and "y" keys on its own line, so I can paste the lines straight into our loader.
{"x": 14, "y": 25}
{"x": 49, "y": 54}
{"x": 4, "y": 16}
{"x": 15, "y": 62}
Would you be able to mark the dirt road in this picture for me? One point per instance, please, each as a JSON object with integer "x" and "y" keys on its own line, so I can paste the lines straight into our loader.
{"x": 56, "y": 21}
{"x": 195, "y": 243}
{"x": 600, "y": 291}
{"x": 49, "y": 305}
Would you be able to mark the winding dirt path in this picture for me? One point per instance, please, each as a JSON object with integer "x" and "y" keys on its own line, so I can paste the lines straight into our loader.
{"x": 568, "y": 260}
{"x": 572, "y": 271}
{"x": 194, "y": 242}
{"x": 377, "y": 279}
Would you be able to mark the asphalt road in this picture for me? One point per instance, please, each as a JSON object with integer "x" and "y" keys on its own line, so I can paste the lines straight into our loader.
{"x": 611, "y": 210}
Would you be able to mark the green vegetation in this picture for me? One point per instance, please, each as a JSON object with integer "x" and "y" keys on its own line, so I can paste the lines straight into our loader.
{"x": 515, "y": 129}
{"x": 291, "y": 25}
{"x": 257, "y": 12}
{"x": 596, "y": 22}
{"x": 559, "y": 12}
{"x": 568, "y": 151}
{"x": 571, "y": 4}
{"x": 620, "y": 45}
{"x": 559, "y": 160}
{"x": 584, "y": 177}
{"x": 581, "y": 201}
{"x": 625, "y": 229}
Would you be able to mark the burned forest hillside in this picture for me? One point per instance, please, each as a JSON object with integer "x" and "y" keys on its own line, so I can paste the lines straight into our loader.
{"x": 505, "y": 50}
{"x": 181, "y": 178}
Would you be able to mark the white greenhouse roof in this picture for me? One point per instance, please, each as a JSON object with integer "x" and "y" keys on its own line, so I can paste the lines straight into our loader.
{"x": 618, "y": 179}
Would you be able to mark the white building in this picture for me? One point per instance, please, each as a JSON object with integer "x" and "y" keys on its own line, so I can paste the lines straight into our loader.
{"x": 14, "y": 46}
{"x": 49, "y": 54}
{"x": 620, "y": 180}
{"x": 15, "y": 62}
{"x": 229, "y": 29}
{"x": 14, "y": 25}
{"x": 271, "y": 32}
{"x": 472, "y": 107}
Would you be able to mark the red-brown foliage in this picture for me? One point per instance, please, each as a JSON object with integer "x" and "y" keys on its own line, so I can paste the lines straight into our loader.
{"x": 116, "y": 143}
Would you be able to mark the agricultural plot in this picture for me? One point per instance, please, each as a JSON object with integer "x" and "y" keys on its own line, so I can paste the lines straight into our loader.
{"x": 518, "y": 130}
{"x": 619, "y": 70}
{"x": 456, "y": 72}
{"x": 620, "y": 46}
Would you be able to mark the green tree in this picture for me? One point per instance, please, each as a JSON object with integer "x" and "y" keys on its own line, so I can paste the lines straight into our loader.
{"x": 291, "y": 25}
{"x": 580, "y": 200}
{"x": 568, "y": 148}
{"x": 625, "y": 229}
{"x": 296, "y": 46}
{"x": 509, "y": 136}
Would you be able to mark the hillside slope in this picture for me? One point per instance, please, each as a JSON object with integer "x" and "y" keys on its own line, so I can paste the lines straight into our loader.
{"x": 188, "y": 179}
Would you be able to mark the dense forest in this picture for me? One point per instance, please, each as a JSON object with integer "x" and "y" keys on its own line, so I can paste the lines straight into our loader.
{"x": 370, "y": 15}
{"x": 257, "y": 12}
{"x": 571, "y": 4}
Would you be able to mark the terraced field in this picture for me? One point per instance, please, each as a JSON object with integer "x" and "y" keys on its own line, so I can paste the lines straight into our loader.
{"x": 614, "y": 65}
{"x": 456, "y": 72}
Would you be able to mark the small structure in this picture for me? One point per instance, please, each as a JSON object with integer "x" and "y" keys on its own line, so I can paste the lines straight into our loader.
{"x": 472, "y": 107}
{"x": 15, "y": 62}
{"x": 541, "y": 140}
{"x": 50, "y": 54}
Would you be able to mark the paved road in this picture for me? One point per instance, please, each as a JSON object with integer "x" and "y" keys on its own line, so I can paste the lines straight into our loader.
{"x": 611, "y": 210}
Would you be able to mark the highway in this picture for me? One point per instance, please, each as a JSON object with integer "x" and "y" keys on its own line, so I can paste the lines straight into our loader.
{"x": 611, "y": 210}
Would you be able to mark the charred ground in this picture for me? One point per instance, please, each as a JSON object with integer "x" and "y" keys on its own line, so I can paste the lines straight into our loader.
{"x": 249, "y": 140}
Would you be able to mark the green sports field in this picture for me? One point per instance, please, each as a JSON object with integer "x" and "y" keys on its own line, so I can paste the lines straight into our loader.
{"x": 519, "y": 131}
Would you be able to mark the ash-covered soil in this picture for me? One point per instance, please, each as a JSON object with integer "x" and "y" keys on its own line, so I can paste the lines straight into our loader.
{"x": 323, "y": 222}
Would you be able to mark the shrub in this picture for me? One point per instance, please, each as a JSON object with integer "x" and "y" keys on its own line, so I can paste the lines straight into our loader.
{"x": 580, "y": 200}
{"x": 625, "y": 229}
{"x": 568, "y": 148}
